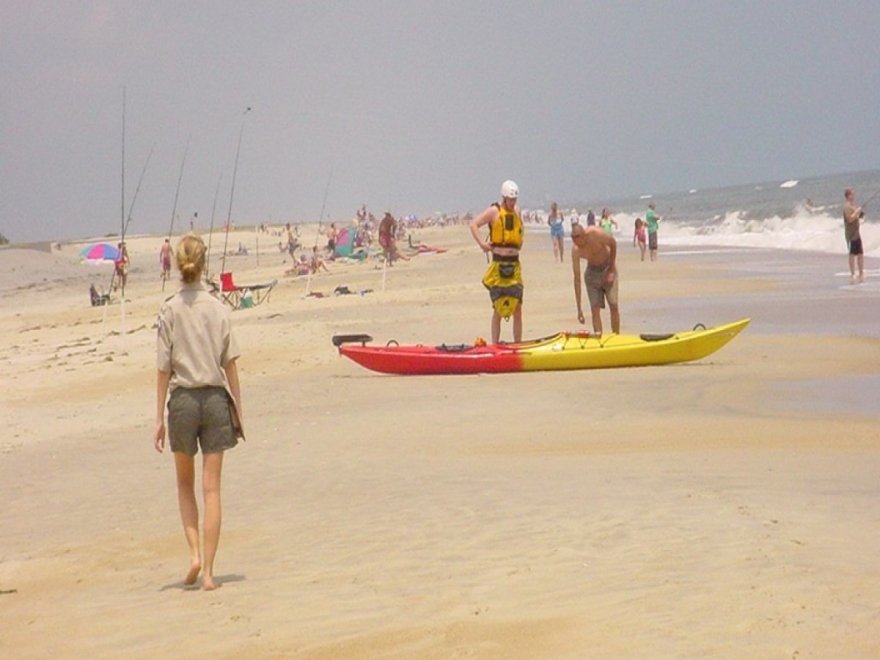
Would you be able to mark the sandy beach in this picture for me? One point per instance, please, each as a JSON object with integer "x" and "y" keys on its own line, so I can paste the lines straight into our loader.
{"x": 724, "y": 508}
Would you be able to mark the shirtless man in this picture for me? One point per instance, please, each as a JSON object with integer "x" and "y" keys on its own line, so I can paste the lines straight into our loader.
{"x": 852, "y": 214}
{"x": 599, "y": 249}
{"x": 387, "y": 239}
{"x": 165, "y": 254}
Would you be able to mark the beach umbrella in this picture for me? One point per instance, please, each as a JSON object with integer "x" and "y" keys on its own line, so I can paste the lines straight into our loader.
{"x": 99, "y": 253}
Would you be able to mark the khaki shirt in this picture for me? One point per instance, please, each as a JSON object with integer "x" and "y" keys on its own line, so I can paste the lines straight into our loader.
{"x": 195, "y": 341}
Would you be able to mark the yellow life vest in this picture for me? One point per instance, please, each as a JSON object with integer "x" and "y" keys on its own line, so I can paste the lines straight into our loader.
{"x": 507, "y": 229}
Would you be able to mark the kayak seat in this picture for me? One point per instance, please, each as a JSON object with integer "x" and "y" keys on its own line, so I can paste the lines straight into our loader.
{"x": 454, "y": 348}
{"x": 657, "y": 337}
{"x": 339, "y": 340}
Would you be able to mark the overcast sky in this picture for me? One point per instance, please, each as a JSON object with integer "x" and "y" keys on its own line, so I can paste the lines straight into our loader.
{"x": 417, "y": 106}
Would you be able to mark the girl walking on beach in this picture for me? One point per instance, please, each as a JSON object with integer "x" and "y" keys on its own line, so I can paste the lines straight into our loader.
{"x": 196, "y": 357}
{"x": 640, "y": 237}
{"x": 557, "y": 232}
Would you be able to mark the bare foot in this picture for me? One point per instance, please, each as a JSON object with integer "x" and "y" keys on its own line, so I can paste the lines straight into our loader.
{"x": 208, "y": 583}
{"x": 861, "y": 278}
{"x": 192, "y": 574}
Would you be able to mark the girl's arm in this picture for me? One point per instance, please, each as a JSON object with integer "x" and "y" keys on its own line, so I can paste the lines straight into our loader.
{"x": 162, "y": 380}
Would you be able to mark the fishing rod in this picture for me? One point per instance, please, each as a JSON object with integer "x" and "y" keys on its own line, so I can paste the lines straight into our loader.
{"x": 127, "y": 221}
{"x": 211, "y": 231}
{"x": 870, "y": 199}
{"x": 176, "y": 196}
{"x": 318, "y": 231}
{"x": 136, "y": 191}
{"x": 232, "y": 191}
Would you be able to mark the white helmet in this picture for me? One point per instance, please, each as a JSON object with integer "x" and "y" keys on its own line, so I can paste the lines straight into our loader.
{"x": 509, "y": 189}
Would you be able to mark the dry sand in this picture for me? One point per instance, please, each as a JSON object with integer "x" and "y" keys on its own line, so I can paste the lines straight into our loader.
{"x": 724, "y": 508}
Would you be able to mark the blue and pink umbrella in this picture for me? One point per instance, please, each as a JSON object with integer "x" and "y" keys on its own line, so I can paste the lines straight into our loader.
{"x": 99, "y": 253}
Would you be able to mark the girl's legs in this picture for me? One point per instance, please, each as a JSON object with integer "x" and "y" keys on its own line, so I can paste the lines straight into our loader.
{"x": 189, "y": 511}
{"x": 212, "y": 467}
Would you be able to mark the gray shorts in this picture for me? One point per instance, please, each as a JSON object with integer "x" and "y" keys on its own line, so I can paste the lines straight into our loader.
{"x": 200, "y": 417}
{"x": 652, "y": 241}
{"x": 597, "y": 291}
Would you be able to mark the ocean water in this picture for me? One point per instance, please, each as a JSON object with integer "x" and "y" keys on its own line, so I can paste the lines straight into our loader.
{"x": 794, "y": 214}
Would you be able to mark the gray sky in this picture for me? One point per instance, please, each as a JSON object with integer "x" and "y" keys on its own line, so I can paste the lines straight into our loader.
{"x": 418, "y": 106}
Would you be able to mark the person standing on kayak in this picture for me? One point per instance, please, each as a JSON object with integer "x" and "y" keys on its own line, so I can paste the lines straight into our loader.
{"x": 503, "y": 278}
{"x": 599, "y": 249}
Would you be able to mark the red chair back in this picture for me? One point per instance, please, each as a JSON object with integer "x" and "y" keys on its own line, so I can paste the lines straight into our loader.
{"x": 226, "y": 282}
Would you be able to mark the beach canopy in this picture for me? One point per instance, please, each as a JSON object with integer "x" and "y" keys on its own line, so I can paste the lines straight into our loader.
{"x": 98, "y": 253}
{"x": 344, "y": 242}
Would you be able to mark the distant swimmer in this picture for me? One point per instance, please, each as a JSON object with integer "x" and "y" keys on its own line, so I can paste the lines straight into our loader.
{"x": 557, "y": 232}
{"x": 652, "y": 220}
{"x": 852, "y": 215}
{"x": 599, "y": 249}
{"x": 591, "y": 218}
{"x": 503, "y": 278}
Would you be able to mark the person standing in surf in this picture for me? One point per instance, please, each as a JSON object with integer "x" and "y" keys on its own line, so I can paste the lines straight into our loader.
{"x": 557, "y": 232}
{"x": 196, "y": 358}
{"x": 852, "y": 216}
{"x": 608, "y": 223}
{"x": 503, "y": 278}
{"x": 652, "y": 220}
{"x": 599, "y": 249}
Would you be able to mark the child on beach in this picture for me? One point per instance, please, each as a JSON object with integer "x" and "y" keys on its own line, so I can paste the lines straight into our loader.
{"x": 196, "y": 356}
{"x": 608, "y": 223}
{"x": 640, "y": 237}
{"x": 557, "y": 232}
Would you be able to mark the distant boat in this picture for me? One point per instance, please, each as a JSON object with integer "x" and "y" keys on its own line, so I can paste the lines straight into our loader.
{"x": 791, "y": 183}
{"x": 646, "y": 196}
{"x": 692, "y": 191}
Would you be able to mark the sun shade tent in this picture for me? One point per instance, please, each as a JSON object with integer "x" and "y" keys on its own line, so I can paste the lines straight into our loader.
{"x": 246, "y": 295}
{"x": 346, "y": 245}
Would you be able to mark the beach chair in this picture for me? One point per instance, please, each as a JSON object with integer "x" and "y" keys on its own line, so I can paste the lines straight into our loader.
{"x": 244, "y": 295}
{"x": 98, "y": 299}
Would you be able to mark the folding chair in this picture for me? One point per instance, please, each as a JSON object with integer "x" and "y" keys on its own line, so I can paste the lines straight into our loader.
{"x": 245, "y": 295}
{"x": 231, "y": 293}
